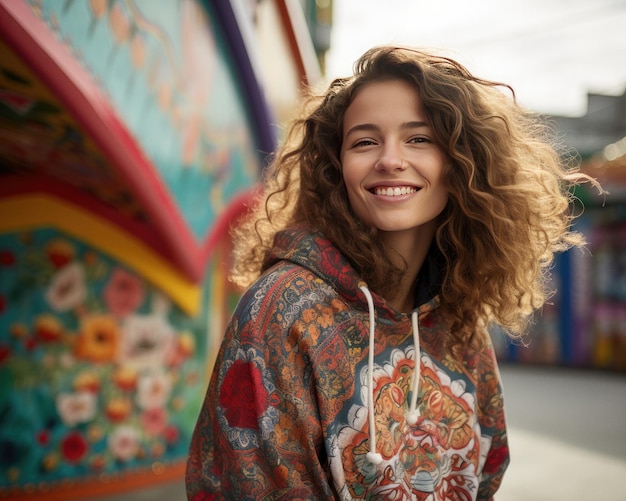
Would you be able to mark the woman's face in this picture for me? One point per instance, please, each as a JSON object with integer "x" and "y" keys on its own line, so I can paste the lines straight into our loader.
{"x": 392, "y": 167}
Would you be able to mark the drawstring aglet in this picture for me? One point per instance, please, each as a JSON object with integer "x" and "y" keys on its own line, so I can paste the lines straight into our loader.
{"x": 412, "y": 418}
{"x": 374, "y": 457}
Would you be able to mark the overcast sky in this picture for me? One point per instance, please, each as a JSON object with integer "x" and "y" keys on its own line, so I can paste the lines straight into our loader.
{"x": 551, "y": 51}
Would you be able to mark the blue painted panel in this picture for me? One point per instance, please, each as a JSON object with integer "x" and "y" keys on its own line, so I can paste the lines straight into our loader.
{"x": 166, "y": 68}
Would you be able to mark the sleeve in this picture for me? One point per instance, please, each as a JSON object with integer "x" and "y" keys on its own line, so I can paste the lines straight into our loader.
{"x": 493, "y": 423}
{"x": 258, "y": 435}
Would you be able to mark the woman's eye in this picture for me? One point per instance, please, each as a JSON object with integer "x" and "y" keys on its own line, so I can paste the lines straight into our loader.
{"x": 419, "y": 139}
{"x": 363, "y": 142}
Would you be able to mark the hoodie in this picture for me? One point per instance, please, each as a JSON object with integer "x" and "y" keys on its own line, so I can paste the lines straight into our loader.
{"x": 321, "y": 390}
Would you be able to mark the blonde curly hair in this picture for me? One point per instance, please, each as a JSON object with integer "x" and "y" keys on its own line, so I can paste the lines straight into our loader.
{"x": 509, "y": 208}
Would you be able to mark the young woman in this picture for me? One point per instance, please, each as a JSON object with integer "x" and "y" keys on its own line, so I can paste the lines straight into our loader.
{"x": 412, "y": 206}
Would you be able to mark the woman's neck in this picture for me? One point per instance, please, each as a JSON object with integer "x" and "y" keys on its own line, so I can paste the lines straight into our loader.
{"x": 413, "y": 248}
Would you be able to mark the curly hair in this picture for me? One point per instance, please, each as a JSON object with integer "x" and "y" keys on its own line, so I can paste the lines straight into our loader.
{"x": 509, "y": 185}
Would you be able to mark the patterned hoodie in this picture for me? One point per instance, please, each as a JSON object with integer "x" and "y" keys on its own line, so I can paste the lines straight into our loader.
{"x": 316, "y": 394}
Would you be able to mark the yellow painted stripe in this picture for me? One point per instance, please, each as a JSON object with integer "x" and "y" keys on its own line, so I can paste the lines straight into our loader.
{"x": 33, "y": 211}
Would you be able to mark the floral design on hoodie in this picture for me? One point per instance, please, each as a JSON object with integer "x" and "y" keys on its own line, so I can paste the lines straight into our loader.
{"x": 420, "y": 462}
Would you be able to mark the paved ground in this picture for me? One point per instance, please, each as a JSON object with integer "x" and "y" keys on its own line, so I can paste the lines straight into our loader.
{"x": 567, "y": 436}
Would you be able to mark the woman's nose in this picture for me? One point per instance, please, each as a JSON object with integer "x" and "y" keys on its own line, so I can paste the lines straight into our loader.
{"x": 390, "y": 159}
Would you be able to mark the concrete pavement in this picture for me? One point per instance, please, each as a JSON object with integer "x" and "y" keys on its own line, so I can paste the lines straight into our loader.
{"x": 567, "y": 433}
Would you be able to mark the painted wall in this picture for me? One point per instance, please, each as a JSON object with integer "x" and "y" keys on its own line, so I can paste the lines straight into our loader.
{"x": 131, "y": 136}
{"x": 168, "y": 73}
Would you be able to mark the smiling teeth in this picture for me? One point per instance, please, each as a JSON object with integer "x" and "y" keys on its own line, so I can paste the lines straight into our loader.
{"x": 395, "y": 192}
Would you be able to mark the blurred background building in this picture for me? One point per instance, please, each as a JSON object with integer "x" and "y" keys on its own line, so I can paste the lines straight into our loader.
{"x": 584, "y": 324}
{"x": 132, "y": 135}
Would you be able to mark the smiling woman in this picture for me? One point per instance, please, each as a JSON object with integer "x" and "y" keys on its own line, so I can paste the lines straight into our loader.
{"x": 412, "y": 205}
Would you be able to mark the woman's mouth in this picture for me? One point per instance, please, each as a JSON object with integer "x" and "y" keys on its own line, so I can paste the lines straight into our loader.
{"x": 393, "y": 191}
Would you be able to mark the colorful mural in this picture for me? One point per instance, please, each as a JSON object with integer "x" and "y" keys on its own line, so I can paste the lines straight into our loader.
{"x": 99, "y": 369}
{"x": 132, "y": 135}
{"x": 105, "y": 351}
{"x": 126, "y": 149}
{"x": 37, "y": 136}
{"x": 166, "y": 70}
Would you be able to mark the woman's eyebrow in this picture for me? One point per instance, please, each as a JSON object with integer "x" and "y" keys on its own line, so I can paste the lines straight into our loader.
{"x": 366, "y": 127}
{"x": 414, "y": 125}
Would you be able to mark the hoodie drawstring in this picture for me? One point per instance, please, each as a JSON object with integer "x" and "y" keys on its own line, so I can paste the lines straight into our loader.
{"x": 373, "y": 456}
{"x": 413, "y": 414}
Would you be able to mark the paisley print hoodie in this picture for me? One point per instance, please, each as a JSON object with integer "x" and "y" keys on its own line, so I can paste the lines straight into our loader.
{"x": 321, "y": 390}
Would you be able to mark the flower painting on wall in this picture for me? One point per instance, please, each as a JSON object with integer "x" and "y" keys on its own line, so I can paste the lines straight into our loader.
{"x": 100, "y": 370}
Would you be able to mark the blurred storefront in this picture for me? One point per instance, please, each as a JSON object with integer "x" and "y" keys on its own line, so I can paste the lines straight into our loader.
{"x": 584, "y": 324}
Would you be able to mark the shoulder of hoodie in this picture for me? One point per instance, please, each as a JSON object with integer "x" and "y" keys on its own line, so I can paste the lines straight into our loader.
{"x": 285, "y": 278}
{"x": 290, "y": 284}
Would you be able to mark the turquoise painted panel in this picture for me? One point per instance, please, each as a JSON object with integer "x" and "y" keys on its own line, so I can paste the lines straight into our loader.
{"x": 165, "y": 67}
{"x": 99, "y": 372}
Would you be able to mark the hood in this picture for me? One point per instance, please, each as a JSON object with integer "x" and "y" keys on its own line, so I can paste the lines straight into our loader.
{"x": 316, "y": 253}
